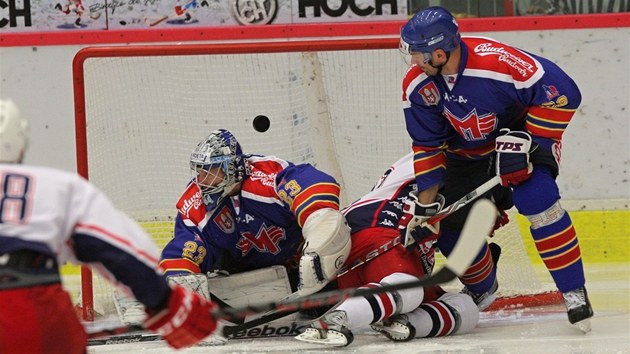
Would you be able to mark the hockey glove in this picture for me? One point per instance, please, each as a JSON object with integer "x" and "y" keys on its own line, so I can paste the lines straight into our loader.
{"x": 186, "y": 320}
{"x": 413, "y": 225}
{"x": 502, "y": 219}
{"x": 513, "y": 165}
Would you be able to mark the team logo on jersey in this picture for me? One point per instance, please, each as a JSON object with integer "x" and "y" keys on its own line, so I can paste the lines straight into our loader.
{"x": 225, "y": 220}
{"x": 430, "y": 94}
{"x": 265, "y": 241}
{"x": 387, "y": 223}
{"x": 247, "y": 12}
{"x": 472, "y": 126}
{"x": 551, "y": 91}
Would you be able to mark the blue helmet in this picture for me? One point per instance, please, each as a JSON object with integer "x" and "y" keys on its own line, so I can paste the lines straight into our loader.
{"x": 430, "y": 29}
{"x": 218, "y": 151}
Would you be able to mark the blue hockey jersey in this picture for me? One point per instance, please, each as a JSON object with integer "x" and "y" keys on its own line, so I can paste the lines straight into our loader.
{"x": 497, "y": 86}
{"x": 259, "y": 227}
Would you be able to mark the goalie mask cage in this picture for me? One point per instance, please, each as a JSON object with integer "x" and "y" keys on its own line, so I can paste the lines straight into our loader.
{"x": 140, "y": 110}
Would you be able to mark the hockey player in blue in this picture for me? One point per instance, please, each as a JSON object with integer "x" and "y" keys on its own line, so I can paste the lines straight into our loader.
{"x": 246, "y": 212}
{"x": 474, "y": 107}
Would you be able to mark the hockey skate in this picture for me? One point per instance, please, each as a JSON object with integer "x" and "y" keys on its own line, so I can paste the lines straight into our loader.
{"x": 397, "y": 328}
{"x": 484, "y": 300}
{"x": 579, "y": 308}
{"x": 331, "y": 329}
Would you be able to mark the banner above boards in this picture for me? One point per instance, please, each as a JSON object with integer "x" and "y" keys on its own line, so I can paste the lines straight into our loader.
{"x": 63, "y": 15}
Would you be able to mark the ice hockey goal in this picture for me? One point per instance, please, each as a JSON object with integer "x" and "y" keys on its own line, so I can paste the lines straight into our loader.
{"x": 336, "y": 104}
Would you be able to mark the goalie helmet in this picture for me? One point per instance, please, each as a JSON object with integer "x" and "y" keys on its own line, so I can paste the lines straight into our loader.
{"x": 13, "y": 133}
{"x": 217, "y": 165}
{"x": 430, "y": 29}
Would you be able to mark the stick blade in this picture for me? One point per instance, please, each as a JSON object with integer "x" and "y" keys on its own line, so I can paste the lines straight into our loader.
{"x": 479, "y": 224}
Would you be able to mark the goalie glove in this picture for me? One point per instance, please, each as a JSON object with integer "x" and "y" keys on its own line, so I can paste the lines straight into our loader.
{"x": 326, "y": 248}
{"x": 186, "y": 319}
{"x": 513, "y": 165}
{"x": 413, "y": 225}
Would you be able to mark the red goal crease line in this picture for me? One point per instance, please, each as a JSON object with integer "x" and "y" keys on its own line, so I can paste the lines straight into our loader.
{"x": 297, "y": 31}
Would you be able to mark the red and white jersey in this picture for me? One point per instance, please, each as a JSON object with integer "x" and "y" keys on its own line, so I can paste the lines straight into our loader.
{"x": 383, "y": 205}
{"x": 61, "y": 215}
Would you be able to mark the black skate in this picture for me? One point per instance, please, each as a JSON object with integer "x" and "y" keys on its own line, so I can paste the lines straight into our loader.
{"x": 579, "y": 308}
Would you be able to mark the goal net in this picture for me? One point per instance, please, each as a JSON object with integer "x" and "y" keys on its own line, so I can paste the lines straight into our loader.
{"x": 140, "y": 110}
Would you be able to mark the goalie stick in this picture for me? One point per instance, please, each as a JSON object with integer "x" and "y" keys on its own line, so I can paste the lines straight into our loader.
{"x": 479, "y": 223}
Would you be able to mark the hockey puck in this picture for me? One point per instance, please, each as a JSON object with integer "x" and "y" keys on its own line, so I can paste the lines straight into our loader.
{"x": 261, "y": 123}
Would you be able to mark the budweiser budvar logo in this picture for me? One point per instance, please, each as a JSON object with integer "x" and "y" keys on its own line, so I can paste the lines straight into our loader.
{"x": 193, "y": 202}
{"x": 265, "y": 179}
{"x": 521, "y": 65}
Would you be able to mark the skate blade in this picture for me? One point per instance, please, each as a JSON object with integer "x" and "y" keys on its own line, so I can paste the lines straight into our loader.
{"x": 332, "y": 340}
{"x": 584, "y": 325}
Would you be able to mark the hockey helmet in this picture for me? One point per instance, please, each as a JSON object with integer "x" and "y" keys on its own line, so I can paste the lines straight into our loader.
{"x": 13, "y": 132}
{"x": 430, "y": 29}
{"x": 217, "y": 164}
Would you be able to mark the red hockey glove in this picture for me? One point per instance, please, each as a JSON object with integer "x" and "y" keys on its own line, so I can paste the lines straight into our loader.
{"x": 413, "y": 225}
{"x": 513, "y": 157}
{"x": 502, "y": 220}
{"x": 186, "y": 320}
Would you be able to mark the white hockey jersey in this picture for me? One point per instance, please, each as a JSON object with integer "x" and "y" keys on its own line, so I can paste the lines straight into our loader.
{"x": 62, "y": 215}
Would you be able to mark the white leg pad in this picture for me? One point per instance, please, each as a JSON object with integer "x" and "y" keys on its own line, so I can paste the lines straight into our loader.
{"x": 130, "y": 311}
{"x": 250, "y": 288}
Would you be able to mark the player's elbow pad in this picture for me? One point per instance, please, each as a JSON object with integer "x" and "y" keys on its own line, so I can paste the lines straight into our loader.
{"x": 327, "y": 246}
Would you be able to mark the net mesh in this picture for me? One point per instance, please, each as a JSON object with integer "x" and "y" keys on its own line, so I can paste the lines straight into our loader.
{"x": 338, "y": 110}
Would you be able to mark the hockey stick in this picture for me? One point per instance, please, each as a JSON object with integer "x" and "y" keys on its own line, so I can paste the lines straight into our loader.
{"x": 275, "y": 314}
{"x": 463, "y": 201}
{"x": 479, "y": 223}
{"x": 179, "y": 10}
{"x": 455, "y": 206}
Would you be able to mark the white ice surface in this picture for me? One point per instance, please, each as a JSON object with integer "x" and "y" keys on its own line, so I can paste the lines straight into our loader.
{"x": 518, "y": 330}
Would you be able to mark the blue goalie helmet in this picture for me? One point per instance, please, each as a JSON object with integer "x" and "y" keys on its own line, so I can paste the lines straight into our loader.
{"x": 217, "y": 164}
{"x": 430, "y": 29}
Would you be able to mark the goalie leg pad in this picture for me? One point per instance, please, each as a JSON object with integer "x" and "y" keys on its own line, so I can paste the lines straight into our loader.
{"x": 326, "y": 249}
{"x": 253, "y": 287}
{"x": 193, "y": 282}
{"x": 130, "y": 311}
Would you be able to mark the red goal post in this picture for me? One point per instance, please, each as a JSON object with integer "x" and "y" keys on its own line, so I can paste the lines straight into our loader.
{"x": 140, "y": 109}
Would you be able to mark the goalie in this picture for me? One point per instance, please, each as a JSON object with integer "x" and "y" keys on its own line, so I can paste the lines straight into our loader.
{"x": 241, "y": 213}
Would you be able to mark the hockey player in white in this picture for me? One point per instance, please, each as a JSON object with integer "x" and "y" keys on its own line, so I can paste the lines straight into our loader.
{"x": 49, "y": 217}
{"x": 400, "y": 315}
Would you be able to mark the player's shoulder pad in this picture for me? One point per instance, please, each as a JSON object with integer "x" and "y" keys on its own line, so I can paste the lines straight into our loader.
{"x": 491, "y": 59}
{"x": 304, "y": 174}
{"x": 413, "y": 77}
{"x": 190, "y": 205}
{"x": 261, "y": 180}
